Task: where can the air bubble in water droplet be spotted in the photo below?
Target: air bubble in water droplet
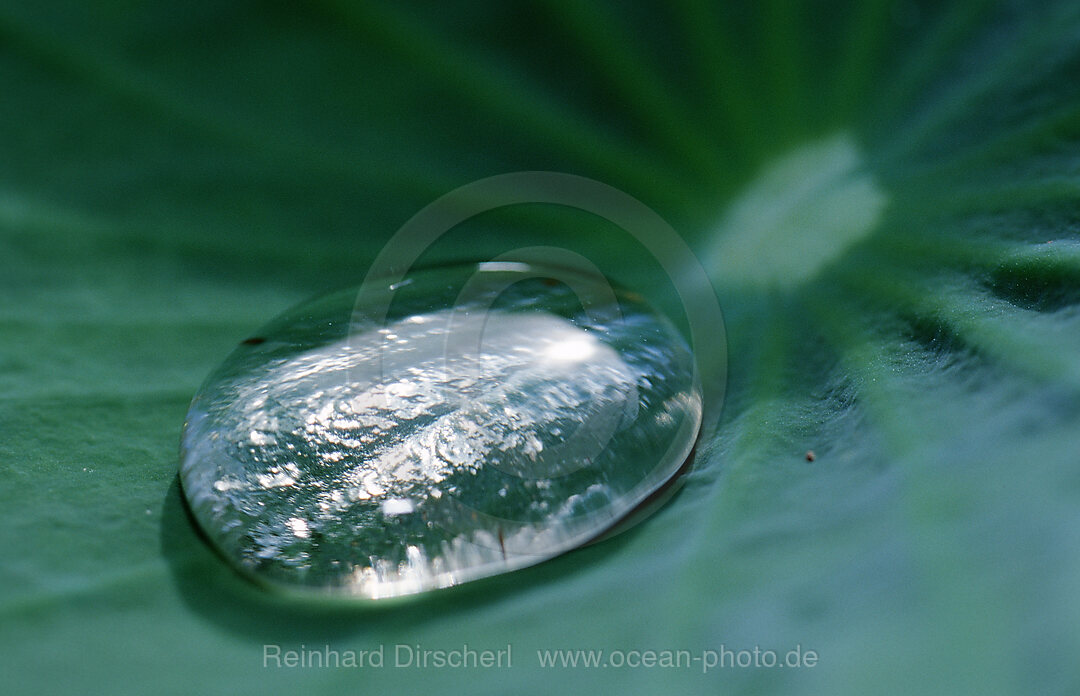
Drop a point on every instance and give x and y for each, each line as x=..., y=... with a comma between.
x=467, y=422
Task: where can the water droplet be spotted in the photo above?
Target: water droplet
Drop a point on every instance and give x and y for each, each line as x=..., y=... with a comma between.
x=467, y=422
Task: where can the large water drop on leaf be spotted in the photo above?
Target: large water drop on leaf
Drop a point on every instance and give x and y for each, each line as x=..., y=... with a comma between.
x=465, y=422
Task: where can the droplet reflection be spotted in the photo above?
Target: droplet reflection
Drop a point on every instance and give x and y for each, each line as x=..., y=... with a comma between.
x=463, y=435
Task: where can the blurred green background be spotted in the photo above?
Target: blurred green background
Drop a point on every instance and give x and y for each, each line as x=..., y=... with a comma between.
x=173, y=175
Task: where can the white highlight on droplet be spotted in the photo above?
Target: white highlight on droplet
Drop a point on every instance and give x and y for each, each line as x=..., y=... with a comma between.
x=299, y=528
x=397, y=506
x=571, y=350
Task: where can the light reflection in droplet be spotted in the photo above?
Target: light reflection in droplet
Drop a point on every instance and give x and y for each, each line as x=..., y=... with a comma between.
x=443, y=444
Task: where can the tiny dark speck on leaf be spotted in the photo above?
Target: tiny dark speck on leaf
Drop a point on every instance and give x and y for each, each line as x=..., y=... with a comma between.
x=253, y=341
x=810, y=456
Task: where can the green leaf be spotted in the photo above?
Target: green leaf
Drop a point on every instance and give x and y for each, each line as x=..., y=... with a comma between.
x=885, y=195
